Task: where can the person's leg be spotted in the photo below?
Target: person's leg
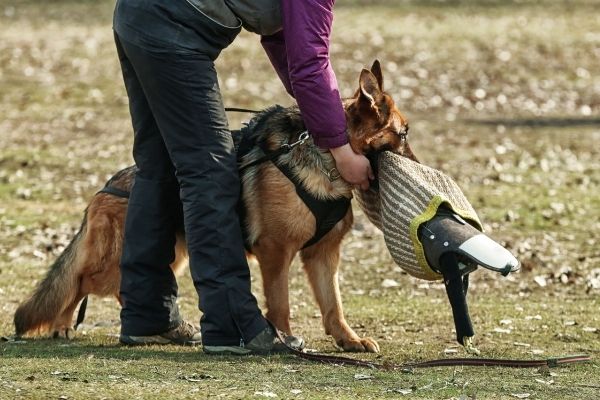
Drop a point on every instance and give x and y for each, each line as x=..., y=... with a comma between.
x=148, y=287
x=183, y=94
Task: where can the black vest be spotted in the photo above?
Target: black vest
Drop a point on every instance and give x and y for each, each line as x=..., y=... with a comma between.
x=258, y=16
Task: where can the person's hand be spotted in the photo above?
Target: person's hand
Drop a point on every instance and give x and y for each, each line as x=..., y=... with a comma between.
x=354, y=168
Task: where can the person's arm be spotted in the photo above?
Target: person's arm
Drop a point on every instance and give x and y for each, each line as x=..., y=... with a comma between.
x=274, y=46
x=300, y=55
x=302, y=47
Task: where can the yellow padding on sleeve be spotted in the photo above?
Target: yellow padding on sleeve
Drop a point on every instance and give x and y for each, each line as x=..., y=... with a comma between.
x=428, y=214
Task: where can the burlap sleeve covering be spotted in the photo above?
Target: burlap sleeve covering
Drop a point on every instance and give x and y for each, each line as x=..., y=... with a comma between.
x=409, y=194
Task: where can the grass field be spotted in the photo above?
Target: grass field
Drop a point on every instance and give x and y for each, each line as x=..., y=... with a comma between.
x=503, y=96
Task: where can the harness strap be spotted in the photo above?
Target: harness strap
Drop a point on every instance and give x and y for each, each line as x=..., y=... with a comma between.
x=114, y=191
x=327, y=213
x=269, y=156
x=242, y=110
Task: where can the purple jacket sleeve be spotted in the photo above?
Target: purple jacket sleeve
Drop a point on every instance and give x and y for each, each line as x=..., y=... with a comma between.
x=300, y=55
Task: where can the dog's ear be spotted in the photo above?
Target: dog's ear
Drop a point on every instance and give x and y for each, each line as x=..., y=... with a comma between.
x=369, y=90
x=376, y=70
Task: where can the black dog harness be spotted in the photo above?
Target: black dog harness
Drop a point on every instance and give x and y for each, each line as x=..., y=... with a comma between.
x=327, y=213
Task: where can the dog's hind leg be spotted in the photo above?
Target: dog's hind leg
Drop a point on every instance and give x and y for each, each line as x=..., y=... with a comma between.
x=39, y=313
x=274, y=266
x=63, y=325
x=321, y=265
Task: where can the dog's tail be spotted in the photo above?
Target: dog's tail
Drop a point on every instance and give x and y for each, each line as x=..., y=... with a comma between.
x=54, y=293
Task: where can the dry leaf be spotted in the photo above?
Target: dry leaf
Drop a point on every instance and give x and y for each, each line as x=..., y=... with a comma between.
x=530, y=317
x=540, y=280
x=401, y=391
x=197, y=377
x=265, y=394
x=389, y=283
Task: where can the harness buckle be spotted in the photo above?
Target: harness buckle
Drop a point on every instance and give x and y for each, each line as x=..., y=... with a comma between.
x=333, y=174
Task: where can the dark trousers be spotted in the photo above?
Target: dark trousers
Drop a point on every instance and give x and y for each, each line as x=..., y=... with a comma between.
x=184, y=153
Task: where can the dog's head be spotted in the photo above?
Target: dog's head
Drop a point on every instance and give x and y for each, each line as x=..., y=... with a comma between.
x=374, y=122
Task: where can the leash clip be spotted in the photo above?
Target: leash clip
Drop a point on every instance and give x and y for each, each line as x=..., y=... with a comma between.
x=301, y=139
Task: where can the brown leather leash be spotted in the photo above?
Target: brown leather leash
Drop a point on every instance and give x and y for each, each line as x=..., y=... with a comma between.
x=447, y=362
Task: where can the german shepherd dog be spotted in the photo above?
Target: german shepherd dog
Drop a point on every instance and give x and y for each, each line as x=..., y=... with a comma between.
x=276, y=220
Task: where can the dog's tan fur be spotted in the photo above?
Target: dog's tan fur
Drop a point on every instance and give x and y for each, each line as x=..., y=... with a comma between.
x=90, y=264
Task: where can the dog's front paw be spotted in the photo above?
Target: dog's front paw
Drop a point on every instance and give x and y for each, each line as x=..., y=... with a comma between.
x=358, y=345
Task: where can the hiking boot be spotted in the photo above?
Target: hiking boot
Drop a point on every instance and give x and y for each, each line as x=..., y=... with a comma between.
x=266, y=342
x=185, y=334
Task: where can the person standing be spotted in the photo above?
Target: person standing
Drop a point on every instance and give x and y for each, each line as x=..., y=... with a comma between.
x=186, y=163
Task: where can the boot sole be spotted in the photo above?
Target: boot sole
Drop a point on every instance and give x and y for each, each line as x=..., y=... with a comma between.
x=153, y=340
x=227, y=350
